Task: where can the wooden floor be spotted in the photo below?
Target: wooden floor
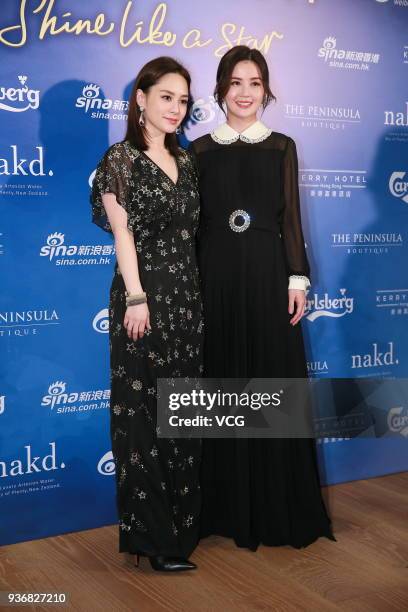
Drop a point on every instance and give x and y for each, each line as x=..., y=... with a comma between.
x=365, y=570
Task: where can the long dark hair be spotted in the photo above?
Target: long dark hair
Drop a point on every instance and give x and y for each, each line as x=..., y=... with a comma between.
x=148, y=76
x=226, y=67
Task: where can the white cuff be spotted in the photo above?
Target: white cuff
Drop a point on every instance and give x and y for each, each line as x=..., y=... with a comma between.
x=299, y=282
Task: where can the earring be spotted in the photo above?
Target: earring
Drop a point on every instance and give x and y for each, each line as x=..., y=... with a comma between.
x=141, y=118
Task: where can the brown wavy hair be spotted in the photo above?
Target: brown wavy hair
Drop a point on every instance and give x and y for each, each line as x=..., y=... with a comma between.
x=148, y=76
x=226, y=67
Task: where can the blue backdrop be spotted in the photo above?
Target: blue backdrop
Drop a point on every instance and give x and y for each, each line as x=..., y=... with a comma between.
x=339, y=71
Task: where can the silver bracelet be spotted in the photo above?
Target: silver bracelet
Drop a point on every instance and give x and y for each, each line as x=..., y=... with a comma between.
x=135, y=298
x=135, y=301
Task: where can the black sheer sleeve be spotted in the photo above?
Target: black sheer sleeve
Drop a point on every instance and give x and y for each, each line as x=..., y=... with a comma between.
x=193, y=155
x=113, y=175
x=291, y=228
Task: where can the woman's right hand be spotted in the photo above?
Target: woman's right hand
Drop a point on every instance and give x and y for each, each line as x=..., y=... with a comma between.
x=137, y=320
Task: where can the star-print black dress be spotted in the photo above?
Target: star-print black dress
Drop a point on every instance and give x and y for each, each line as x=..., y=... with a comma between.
x=158, y=492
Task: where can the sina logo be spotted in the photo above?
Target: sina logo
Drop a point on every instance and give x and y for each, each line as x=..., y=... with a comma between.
x=65, y=402
x=398, y=186
x=56, y=395
x=101, y=321
x=328, y=49
x=325, y=306
x=375, y=359
x=2, y=403
x=202, y=111
x=31, y=464
x=397, y=118
x=397, y=421
x=106, y=465
x=90, y=99
x=55, y=246
x=19, y=166
x=19, y=99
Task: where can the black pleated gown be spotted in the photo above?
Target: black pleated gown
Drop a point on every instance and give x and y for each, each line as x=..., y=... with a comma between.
x=256, y=491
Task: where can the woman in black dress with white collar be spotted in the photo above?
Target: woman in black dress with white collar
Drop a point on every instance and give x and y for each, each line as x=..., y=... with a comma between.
x=254, y=274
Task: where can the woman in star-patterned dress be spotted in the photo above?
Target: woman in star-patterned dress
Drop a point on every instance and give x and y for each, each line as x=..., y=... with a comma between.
x=145, y=192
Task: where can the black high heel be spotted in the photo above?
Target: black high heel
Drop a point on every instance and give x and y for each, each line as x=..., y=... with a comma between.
x=161, y=563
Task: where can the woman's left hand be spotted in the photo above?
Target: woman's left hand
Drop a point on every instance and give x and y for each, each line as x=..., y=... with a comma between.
x=297, y=297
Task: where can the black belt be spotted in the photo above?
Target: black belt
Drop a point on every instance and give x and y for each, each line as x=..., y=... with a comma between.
x=230, y=223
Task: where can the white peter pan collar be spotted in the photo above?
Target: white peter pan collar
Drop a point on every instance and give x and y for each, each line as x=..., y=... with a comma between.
x=225, y=134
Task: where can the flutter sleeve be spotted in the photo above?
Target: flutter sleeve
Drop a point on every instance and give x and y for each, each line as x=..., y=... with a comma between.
x=113, y=175
x=291, y=227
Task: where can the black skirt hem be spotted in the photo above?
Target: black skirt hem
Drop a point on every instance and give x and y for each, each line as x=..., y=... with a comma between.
x=253, y=545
